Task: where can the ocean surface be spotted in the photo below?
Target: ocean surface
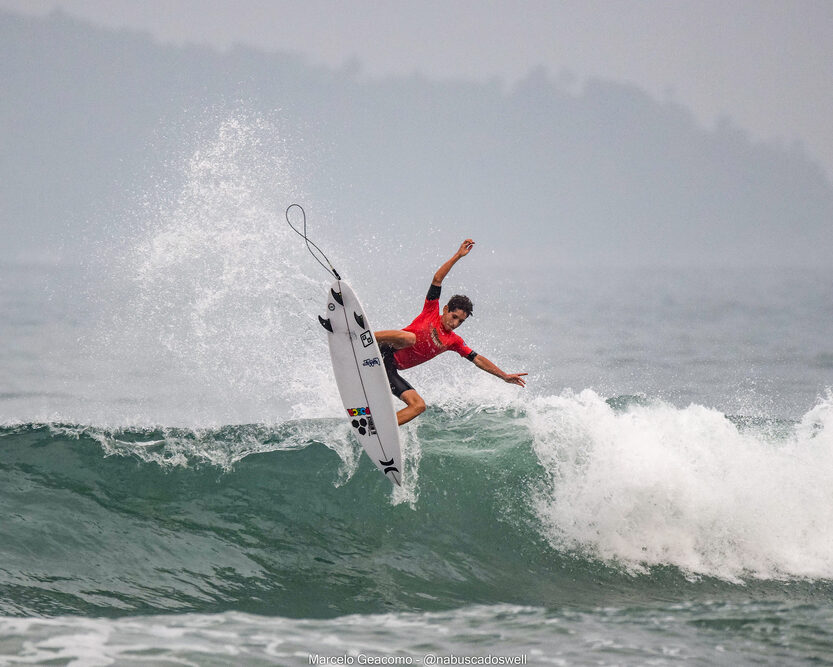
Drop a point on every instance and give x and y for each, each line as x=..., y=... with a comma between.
x=179, y=487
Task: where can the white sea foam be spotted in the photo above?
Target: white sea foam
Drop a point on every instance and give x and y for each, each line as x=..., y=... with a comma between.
x=237, y=638
x=659, y=485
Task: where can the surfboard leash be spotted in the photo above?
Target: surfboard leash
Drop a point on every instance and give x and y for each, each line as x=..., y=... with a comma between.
x=303, y=234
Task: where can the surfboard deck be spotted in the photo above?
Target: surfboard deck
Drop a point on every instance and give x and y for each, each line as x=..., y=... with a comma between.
x=362, y=381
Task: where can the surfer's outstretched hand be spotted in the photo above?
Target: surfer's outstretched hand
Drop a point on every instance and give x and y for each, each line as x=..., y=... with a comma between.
x=465, y=248
x=516, y=378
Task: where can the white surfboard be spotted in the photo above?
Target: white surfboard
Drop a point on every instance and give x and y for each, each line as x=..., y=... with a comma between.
x=362, y=380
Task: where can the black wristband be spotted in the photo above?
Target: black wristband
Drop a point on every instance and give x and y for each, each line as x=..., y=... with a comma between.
x=471, y=355
x=433, y=293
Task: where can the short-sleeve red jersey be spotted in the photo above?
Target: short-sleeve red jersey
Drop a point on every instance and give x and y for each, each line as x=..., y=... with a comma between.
x=431, y=338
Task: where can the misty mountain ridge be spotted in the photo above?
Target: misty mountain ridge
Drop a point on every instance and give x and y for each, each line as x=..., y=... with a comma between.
x=606, y=175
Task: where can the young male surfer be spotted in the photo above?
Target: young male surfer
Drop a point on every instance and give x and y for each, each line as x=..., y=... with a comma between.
x=430, y=334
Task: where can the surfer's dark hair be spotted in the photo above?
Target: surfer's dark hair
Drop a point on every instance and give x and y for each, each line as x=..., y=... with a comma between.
x=460, y=302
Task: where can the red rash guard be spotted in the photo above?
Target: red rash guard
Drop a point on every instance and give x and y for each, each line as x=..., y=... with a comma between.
x=431, y=338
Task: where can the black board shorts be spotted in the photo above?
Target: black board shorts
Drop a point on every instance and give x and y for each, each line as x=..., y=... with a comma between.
x=398, y=384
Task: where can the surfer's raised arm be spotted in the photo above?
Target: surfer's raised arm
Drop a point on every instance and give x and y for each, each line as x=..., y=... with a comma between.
x=432, y=333
x=442, y=272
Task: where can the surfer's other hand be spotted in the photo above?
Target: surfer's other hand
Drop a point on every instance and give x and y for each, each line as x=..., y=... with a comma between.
x=465, y=247
x=516, y=378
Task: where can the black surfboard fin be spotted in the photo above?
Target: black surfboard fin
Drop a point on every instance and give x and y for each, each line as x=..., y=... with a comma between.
x=359, y=319
x=337, y=297
x=326, y=324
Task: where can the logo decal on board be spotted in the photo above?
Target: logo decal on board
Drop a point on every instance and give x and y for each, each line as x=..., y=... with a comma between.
x=371, y=362
x=331, y=306
x=388, y=466
x=363, y=422
x=367, y=338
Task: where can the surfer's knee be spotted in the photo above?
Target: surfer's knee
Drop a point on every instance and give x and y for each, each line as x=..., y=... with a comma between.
x=408, y=339
x=401, y=339
x=395, y=338
x=414, y=401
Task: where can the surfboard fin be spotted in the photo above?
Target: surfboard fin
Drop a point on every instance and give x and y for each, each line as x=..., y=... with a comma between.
x=326, y=324
x=337, y=297
x=359, y=319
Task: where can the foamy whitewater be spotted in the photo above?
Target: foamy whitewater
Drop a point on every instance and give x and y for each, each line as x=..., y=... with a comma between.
x=179, y=485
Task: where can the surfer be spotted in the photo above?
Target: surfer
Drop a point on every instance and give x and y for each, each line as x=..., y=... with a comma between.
x=430, y=334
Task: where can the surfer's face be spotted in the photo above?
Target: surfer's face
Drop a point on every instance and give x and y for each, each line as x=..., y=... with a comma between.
x=453, y=318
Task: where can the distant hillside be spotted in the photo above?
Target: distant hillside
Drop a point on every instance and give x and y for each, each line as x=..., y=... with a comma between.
x=607, y=175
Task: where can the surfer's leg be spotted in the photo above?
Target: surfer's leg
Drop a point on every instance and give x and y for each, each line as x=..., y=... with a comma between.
x=395, y=338
x=415, y=407
x=401, y=388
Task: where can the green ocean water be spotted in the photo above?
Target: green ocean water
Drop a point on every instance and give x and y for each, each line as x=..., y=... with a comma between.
x=114, y=533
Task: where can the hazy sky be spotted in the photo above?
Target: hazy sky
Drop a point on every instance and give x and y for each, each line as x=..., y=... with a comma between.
x=767, y=64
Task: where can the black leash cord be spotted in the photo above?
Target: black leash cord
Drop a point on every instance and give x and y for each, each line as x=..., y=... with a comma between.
x=328, y=267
